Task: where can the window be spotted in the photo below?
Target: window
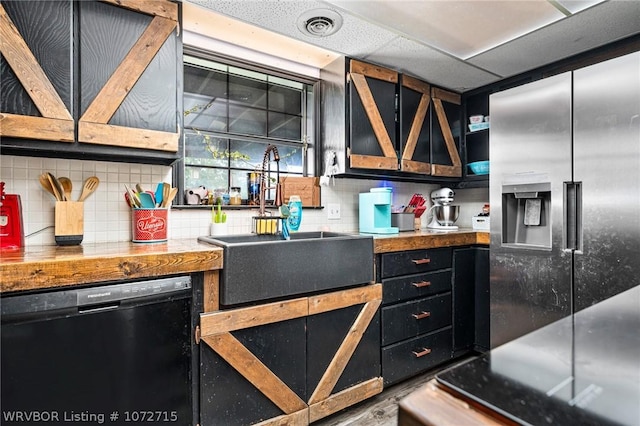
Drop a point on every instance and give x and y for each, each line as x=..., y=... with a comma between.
x=232, y=112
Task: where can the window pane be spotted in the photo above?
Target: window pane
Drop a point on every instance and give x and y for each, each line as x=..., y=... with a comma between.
x=247, y=92
x=247, y=121
x=285, y=126
x=284, y=99
x=250, y=154
x=207, y=177
x=290, y=159
x=204, y=114
x=201, y=148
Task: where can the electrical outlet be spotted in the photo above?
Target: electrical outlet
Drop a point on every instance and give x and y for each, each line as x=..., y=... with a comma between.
x=333, y=211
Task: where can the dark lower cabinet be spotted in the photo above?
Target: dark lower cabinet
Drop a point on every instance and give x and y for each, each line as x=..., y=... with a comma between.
x=435, y=307
x=410, y=357
x=226, y=397
x=470, y=299
x=285, y=359
x=416, y=311
x=325, y=334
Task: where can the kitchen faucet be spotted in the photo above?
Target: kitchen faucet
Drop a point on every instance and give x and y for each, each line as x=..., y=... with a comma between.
x=263, y=179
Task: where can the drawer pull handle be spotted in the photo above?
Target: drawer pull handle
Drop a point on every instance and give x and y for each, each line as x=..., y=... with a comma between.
x=421, y=284
x=421, y=261
x=423, y=352
x=421, y=315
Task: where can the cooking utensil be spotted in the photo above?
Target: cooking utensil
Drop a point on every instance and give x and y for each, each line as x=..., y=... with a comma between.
x=58, y=192
x=158, y=195
x=67, y=187
x=132, y=198
x=46, y=184
x=166, y=200
x=146, y=200
x=90, y=185
x=166, y=191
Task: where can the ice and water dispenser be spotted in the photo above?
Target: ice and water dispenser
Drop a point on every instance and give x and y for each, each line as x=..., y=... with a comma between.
x=526, y=215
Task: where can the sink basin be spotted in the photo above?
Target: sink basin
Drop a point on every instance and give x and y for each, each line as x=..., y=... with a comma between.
x=263, y=267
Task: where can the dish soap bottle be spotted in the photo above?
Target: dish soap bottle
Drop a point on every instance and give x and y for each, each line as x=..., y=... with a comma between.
x=295, y=212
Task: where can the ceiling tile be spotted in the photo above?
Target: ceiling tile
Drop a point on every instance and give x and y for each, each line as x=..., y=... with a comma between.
x=432, y=65
x=460, y=28
x=583, y=31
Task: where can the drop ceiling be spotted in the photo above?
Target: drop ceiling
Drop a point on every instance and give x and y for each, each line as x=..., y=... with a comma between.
x=459, y=45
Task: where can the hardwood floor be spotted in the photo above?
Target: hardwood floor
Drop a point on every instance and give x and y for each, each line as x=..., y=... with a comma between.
x=382, y=409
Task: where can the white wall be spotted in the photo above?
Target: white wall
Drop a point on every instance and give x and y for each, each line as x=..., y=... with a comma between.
x=107, y=218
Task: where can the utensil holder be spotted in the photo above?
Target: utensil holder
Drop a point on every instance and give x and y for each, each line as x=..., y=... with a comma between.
x=69, y=222
x=149, y=225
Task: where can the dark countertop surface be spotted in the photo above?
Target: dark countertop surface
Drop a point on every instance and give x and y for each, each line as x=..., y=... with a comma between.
x=583, y=369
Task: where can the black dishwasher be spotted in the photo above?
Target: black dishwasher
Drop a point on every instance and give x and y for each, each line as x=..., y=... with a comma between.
x=119, y=354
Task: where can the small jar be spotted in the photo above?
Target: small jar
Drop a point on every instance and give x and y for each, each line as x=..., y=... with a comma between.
x=235, y=199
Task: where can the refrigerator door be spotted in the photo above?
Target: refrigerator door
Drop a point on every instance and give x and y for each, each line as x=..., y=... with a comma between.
x=530, y=153
x=607, y=162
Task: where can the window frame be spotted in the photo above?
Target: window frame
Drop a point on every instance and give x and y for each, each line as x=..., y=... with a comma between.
x=311, y=158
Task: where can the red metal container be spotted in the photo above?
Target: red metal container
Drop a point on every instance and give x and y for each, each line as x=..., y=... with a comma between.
x=149, y=225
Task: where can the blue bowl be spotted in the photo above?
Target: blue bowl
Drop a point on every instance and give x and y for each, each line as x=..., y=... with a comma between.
x=479, y=167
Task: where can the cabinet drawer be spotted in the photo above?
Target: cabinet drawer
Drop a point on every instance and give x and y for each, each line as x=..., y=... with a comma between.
x=414, y=261
x=414, y=286
x=405, y=359
x=410, y=319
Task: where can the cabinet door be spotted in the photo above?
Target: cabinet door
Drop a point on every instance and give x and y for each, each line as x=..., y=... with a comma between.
x=228, y=393
x=36, y=64
x=372, y=117
x=415, y=99
x=464, y=268
x=445, y=134
x=128, y=74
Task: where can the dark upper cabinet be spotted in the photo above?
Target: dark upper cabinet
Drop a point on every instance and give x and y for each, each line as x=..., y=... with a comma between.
x=36, y=70
x=372, y=117
x=92, y=79
x=379, y=123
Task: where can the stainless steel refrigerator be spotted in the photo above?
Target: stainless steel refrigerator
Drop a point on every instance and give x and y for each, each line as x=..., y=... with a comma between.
x=564, y=194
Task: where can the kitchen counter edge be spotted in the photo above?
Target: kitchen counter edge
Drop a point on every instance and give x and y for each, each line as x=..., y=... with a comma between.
x=425, y=239
x=42, y=267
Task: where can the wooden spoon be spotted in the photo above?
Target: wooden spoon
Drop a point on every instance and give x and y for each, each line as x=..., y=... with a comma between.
x=46, y=184
x=55, y=186
x=89, y=187
x=67, y=186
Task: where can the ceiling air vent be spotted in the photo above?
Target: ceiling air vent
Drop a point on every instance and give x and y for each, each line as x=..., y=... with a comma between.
x=319, y=22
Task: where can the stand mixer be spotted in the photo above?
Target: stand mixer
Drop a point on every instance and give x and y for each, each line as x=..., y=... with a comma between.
x=443, y=213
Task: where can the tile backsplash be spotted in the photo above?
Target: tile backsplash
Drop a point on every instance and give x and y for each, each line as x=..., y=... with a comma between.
x=107, y=218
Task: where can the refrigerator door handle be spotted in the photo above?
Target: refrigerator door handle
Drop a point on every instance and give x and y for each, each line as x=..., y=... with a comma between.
x=573, y=216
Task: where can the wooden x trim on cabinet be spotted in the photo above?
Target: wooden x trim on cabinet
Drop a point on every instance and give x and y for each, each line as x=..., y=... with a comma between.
x=56, y=118
x=389, y=160
x=454, y=170
x=408, y=165
x=216, y=328
x=93, y=126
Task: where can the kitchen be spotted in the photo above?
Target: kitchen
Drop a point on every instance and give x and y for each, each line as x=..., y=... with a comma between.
x=109, y=226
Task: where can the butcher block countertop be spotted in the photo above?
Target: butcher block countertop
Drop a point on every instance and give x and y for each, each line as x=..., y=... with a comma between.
x=43, y=267
x=425, y=239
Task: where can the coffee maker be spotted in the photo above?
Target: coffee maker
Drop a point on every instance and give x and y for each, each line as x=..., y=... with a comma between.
x=443, y=213
x=375, y=212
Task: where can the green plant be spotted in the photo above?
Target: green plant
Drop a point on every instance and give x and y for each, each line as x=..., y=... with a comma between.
x=217, y=215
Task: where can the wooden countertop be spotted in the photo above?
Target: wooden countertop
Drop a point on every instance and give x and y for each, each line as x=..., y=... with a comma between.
x=413, y=240
x=44, y=267
x=55, y=266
